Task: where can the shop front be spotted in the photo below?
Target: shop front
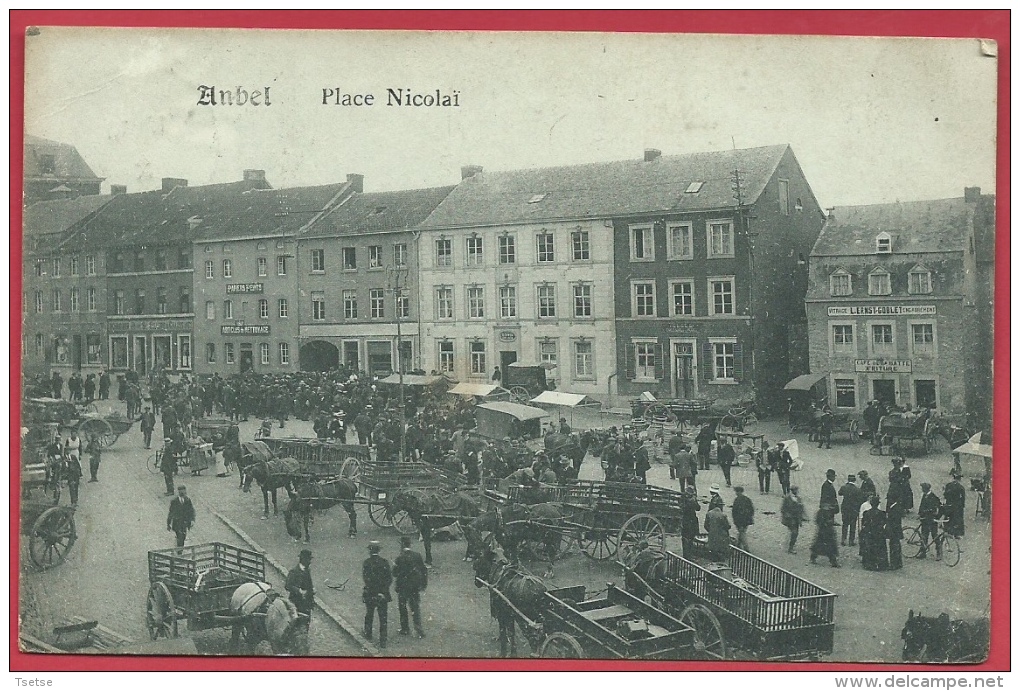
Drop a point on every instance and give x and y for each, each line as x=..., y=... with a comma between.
x=148, y=344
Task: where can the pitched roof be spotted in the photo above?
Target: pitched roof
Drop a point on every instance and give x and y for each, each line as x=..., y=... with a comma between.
x=937, y=225
x=262, y=212
x=378, y=212
x=601, y=190
x=47, y=159
x=60, y=215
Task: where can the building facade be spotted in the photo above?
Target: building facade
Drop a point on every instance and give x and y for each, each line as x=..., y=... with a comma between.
x=54, y=170
x=893, y=306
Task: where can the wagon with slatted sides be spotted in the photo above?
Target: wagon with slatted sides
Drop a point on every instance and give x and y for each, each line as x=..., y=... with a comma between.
x=378, y=481
x=319, y=459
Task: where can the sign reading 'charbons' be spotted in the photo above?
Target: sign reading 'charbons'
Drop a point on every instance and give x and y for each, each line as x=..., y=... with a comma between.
x=245, y=330
x=881, y=310
x=244, y=288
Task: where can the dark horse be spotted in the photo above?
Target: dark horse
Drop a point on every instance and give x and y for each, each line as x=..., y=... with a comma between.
x=429, y=509
x=526, y=592
x=516, y=528
x=271, y=476
x=939, y=639
x=319, y=496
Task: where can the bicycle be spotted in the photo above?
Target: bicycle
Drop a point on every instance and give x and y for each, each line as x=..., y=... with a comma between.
x=154, y=461
x=950, y=548
x=742, y=418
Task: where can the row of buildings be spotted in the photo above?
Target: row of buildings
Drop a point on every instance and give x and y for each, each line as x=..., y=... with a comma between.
x=681, y=275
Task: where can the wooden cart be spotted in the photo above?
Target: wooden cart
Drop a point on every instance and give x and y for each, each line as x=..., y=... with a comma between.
x=50, y=530
x=322, y=460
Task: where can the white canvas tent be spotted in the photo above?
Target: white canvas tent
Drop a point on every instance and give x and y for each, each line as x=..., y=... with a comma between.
x=490, y=391
x=566, y=400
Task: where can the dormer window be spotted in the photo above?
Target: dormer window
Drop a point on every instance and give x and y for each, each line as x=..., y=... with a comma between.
x=841, y=283
x=879, y=283
x=694, y=188
x=920, y=281
x=883, y=243
x=536, y=198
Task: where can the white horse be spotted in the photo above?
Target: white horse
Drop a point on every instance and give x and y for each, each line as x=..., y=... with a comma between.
x=265, y=615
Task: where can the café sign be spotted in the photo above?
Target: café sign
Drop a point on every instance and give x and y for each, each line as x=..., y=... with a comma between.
x=234, y=288
x=882, y=311
x=158, y=325
x=882, y=366
x=507, y=336
x=244, y=329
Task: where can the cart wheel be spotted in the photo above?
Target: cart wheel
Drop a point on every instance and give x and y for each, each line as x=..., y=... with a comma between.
x=561, y=645
x=53, y=536
x=351, y=469
x=379, y=516
x=730, y=423
x=520, y=395
x=401, y=520
x=94, y=428
x=643, y=526
x=599, y=544
x=160, y=612
x=854, y=428
x=950, y=550
x=709, y=643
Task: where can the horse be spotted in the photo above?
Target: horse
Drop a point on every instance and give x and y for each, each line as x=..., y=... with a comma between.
x=526, y=592
x=429, y=509
x=522, y=524
x=644, y=567
x=265, y=615
x=939, y=639
x=310, y=496
x=279, y=473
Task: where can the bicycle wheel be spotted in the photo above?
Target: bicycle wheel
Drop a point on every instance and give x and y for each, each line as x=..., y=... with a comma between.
x=750, y=422
x=950, y=550
x=915, y=545
x=153, y=461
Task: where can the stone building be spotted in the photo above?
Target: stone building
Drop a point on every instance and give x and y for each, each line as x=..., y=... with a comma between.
x=54, y=170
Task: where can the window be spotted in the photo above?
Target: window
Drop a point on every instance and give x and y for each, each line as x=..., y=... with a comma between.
x=476, y=303
x=210, y=353
x=284, y=353
x=920, y=281
x=161, y=264
x=318, y=307
x=879, y=283
x=184, y=351
x=400, y=254
x=118, y=302
x=444, y=303
x=882, y=342
x=262, y=266
x=228, y=353
x=546, y=247
x=350, y=298
x=210, y=310
x=75, y=300
x=349, y=256
x=40, y=268
x=57, y=305
x=643, y=299
x=264, y=353
x=679, y=241
x=642, y=243
x=139, y=301
x=644, y=360
x=56, y=267
x=843, y=339
x=584, y=360
x=477, y=351
x=444, y=252
x=118, y=263
x=580, y=242
x=118, y=352
x=720, y=239
x=549, y=353
x=228, y=309
x=507, y=302
x=92, y=349
x=475, y=253
x=40, y=348
x=74, y=266
x=721, y=290
x=403, y=305
x=883, y=243
x=263, y=309
x=846, y=393
x=582, y=300
x=377, y=303
x=139, y=261
x=683, y=298
x=184, y=258
x=90, y=299
x=784, y=197
x=507, y=249
x=546, y=301
x=283, y=310
x=724, y=360
x=374, y=257
x=318, y=261
x=922, y=338
x=39, y=301
x=281, y=266
x=185, y=300
x=841, y=284
x=444, y=349
x=209, y=271
x=227, y=269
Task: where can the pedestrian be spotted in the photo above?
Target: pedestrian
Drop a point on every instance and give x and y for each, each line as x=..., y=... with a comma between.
x=411, y=577
x=727, y=457
x=714, y=498
x=90, y=388
x=72, y=472
x=642, y=464
x=718, y=528
x=181, y=516
x=955, y=498
x=684, y=466
x=874, y=556
x=928, y=511
x=104, y=385
x=850, y=509
x=868, y=489
x=564, y=427
x=894, y=512
x=872, y=416
x=57, y=385
x=301, y=590
x=95, y=453
x=784, y=464
x=377, y=577
x=743, y=516
x=763, y=463
x=824, y=543
x=704, y=441
x=148, y=424
x=168, y=465
x=689, y=529
x=823, y=433
x=676, y=444
x=827, y=501
x=792, y=512
x=902, y=475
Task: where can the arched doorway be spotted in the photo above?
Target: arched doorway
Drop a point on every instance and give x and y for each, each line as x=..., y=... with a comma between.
x=319, y=356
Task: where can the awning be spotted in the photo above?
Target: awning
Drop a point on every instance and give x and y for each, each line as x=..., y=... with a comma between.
x=412, y=379
x=543, y=365
x=562, y=398
x=804, y=382
x=647, y=397
x=521, y=412
x=975, y=447
x=466, y=388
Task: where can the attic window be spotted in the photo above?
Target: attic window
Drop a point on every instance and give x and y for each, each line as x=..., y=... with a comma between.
x=536, y=198
x=694, y=188
x=919, y=282
x=879, y=282
x=193, y=222
x=261, y=246
x=883, y=243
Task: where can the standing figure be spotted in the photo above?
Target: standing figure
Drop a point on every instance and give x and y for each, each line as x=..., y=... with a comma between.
x=792, y=516
x=850, y=509
x=72, y=473
x=718, y=528
x=104, y=385
x=57, y=385
x=95, y=453
x=763, y=463
x=181, y=517
x=825, y=538
x=676, y=444
x=874, y=556
x=411, y=578
x=377, y=577
x=902, y=472
x=784, y=463
x=300, y=590
x=90, y=388
x=872, y=416
x=727, y=457
x=704, y=441
x=868, y=489
x=928, y=511
x=743, y=516
x=827, y=501
x=148, y=424
x=168, y=465
x=689, y=528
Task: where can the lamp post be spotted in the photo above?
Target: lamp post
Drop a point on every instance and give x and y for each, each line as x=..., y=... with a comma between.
x=396, y=274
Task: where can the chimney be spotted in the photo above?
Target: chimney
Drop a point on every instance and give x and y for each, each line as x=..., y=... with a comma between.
x=170, y=183
x=652, y=154
x=253, y=175
x=469, y=171
x=972, y=194
x=356, y=181
x=118, y=189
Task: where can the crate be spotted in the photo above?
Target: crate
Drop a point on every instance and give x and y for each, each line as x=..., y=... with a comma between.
x=180, y=567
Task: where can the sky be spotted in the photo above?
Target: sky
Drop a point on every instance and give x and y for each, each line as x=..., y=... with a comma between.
x=870, y=120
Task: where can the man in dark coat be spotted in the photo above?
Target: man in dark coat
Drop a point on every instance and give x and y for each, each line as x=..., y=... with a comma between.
x=868, y=489
x=411, y=577
x=181, y=516
x=955, y=498
x=784, y=463
x=825, y=538
x=792, y=515
x=57, y=384
x=727, y=457
x=689, y=527
x=168, y=465
x=874, y=554
x=704, y=442
x=928, y=511
x=718, y=528
x=300, y=589
x=104, y=385
x=377, y=576
x=872, y=416
x=895, y=508
x=675, y=446
x=148, y=424
x=743, y=516
x=827, y=501
x=850, y=509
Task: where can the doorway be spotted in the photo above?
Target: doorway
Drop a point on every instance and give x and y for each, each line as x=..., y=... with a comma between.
x=884, y=391
x=506, y=358
x=319, y=356
x=161, y=352
x=351, y=356
x=247, y=359
x=684, y=381
x=141, y=356
x=924, y=393
x=76, y=352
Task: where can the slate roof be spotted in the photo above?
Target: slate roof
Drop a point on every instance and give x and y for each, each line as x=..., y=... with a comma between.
x=937, y=225
x=602, y=190
x=58, y=216
x=68, y=163
x=262, y=212
x=377, y=212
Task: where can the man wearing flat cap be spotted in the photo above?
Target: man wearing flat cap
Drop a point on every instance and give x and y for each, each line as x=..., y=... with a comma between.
x=928, y=511
x=850, y=509
x=377, y=576
x=299, y=587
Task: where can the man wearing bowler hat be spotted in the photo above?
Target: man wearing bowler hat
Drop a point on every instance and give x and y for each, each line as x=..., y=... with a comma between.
x=377, y=575
x=300, y=589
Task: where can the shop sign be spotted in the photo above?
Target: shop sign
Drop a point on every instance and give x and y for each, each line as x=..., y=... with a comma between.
x=881, y=366
x=234, y=288
x=158, y=325
x=507, y=336
x=244, y=330
x=882, y=311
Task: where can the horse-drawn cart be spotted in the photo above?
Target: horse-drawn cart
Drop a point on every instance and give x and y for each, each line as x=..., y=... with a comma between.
x=896, y=428
x=88, y=424
x=50, y=531
x=319, y=459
